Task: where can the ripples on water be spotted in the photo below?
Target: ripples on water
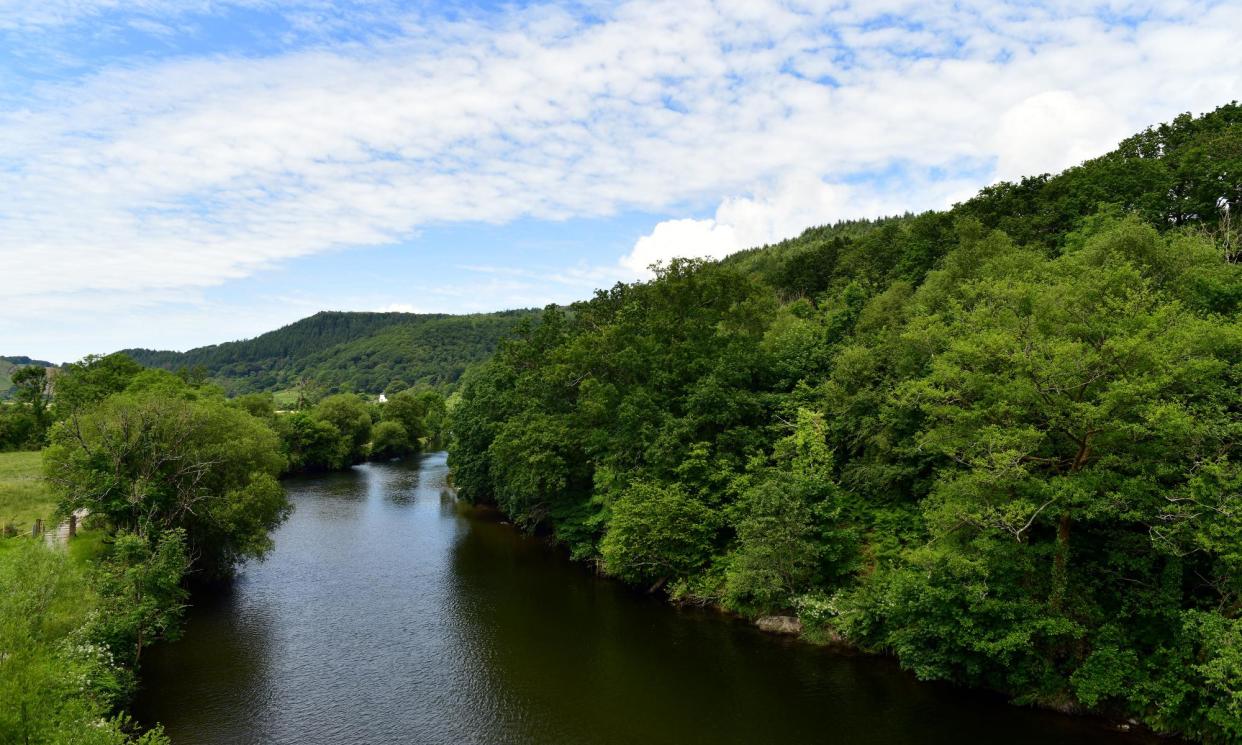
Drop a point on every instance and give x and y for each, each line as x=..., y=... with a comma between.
x=388, y=615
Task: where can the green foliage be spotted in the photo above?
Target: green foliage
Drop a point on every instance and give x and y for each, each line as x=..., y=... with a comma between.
x=999, y=441
x=351, y=418
x=311, y=444
x=18, y=428
x=390, y=440
x=24, y=419
x=148, y=462
x=176, y=481
x=435, y=416
x=258, y=405
x=343, y=429
x=657, y=533
x=91, y=380
x=141, y=596
x=791, y=534
x=409, y=409
x=24, y=497
x=341, y=352
x=58, y=684
x=776, y=556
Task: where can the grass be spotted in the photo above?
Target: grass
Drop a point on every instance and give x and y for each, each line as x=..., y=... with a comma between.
x=88, y=545
x=286, y=399
x=23, y=494
x=24, y=497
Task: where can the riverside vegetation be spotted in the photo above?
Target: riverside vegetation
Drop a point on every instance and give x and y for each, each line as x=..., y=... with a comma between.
x=180, y=487
x=997, y=442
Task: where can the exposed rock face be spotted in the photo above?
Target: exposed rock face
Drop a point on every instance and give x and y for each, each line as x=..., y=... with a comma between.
x=780, y=624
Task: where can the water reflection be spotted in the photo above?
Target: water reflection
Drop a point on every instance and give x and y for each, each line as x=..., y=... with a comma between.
x=387, y=615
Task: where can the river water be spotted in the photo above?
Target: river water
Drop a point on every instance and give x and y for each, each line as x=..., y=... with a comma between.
x=386, y=614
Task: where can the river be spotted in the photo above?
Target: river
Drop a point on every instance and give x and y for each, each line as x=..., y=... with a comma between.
x=387, y=614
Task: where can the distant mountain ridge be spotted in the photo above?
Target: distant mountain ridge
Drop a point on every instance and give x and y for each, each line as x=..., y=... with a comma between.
x=340, y=350
x=22, y=360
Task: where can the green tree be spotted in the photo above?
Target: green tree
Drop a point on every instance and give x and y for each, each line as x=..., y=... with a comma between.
x=149, y=463
x=1024, y=476
x=790, y=532
x=258, y=405
x=33, y=391
x=776, y=556
x=311, y=444
x=348, y=413
x=657, y=533
x=410, y=411
x=1065, y=386
x=389, y=440
x=141, y=593
x=91, y=380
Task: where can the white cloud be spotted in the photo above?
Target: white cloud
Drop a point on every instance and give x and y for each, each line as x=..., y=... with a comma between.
x=1054, y=130
x=743, y=222
x=155, y=177
x=774, y=214
x=686, y=238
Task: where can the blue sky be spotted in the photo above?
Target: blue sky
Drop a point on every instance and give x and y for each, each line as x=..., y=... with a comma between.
x=185, y=172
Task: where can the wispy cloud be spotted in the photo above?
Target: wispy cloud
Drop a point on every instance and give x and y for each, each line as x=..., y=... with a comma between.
x=150, y=176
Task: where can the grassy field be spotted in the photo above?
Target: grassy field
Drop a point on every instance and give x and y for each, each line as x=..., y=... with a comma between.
x=23, y=495
x=286, y=399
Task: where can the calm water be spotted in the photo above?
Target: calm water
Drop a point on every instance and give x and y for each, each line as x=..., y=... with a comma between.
x=385, y=615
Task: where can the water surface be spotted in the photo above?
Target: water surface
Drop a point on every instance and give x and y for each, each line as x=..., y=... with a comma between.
x=387, y=615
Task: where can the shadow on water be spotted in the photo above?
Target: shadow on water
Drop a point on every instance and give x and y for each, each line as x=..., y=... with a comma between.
x=388, y=615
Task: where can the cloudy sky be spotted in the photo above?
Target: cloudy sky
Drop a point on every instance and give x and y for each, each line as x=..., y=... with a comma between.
x=183, y=172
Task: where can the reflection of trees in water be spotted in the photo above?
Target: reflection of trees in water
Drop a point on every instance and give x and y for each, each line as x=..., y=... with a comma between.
x=566, y=657
x=338, y=485
x=574, y=658
x=453, y=627
x=222, y=665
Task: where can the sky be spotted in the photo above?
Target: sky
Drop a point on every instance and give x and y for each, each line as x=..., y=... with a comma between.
x=185, y=172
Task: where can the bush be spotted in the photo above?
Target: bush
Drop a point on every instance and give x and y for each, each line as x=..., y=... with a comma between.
x=389, y=440
x=657, y=533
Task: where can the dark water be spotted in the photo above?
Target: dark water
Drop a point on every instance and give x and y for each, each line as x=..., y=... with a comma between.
x=387, y=616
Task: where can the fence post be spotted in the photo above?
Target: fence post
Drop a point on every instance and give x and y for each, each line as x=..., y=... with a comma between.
x=38, y=528
x=73, y=525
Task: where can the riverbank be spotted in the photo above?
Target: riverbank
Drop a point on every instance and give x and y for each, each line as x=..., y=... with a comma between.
x=827, y=638
x=57, y=683
x=814, y=641
x=387, y=614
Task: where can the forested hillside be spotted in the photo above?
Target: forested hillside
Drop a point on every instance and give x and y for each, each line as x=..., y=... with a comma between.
x=335, y=351
x=998, y=442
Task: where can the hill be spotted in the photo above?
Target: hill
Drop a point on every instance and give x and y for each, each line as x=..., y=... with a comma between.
x=363, y=352
x=999, y=442
x=8, y=365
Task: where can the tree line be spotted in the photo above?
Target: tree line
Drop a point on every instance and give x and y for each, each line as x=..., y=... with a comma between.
x=997, y=442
